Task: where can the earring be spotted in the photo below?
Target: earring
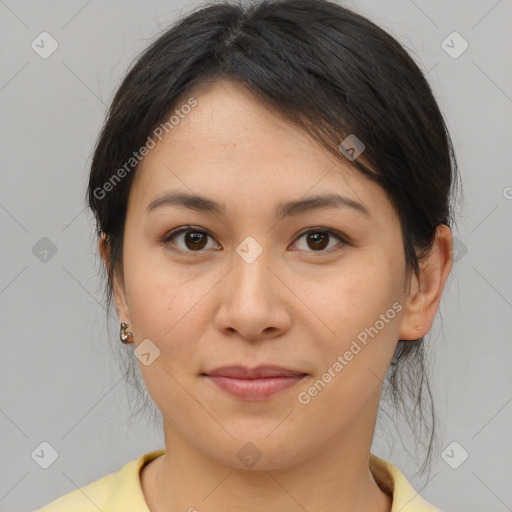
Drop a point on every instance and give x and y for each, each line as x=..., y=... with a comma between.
x=418, y=327
x=126, y=337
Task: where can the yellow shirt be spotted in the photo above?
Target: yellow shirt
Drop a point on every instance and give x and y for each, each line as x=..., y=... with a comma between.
x=121, y=491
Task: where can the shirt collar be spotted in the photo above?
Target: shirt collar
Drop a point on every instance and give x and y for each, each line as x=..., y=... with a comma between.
x=125, y=494
x=393, y=481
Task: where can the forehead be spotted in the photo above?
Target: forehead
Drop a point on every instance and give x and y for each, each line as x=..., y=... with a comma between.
x=231, y=122
x=232, y=147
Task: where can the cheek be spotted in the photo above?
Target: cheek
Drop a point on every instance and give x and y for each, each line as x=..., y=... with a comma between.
x=359, y=311
x=160, y=300
x=352, y=299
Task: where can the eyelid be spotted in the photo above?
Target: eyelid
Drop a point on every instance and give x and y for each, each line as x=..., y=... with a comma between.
x=322, y=229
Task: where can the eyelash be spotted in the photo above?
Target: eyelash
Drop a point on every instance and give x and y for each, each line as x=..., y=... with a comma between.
x=173, y=234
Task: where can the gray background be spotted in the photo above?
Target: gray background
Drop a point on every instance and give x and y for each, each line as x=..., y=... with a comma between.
x=59, y=379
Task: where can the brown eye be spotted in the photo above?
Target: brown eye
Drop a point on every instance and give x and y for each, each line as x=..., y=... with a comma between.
x=191, y=240
x=194, y=240
x=188, y=240
x=318, y=239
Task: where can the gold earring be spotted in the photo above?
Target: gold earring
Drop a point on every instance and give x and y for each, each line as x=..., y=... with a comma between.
x=126, y=337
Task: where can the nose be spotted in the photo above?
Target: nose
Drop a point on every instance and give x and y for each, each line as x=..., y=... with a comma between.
x=254, y=302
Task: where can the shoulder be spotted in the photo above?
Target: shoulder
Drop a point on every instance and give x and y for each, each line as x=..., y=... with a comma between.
x=116, y=492
x=87, y=498
x=392, y=480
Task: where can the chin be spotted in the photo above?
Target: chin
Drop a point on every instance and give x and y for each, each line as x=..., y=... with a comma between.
x=261, y=453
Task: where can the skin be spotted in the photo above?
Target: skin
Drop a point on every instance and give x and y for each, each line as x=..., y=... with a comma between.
x=295, y=306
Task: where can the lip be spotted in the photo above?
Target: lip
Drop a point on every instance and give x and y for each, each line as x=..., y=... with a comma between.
x=257, y=383
x=262, y=371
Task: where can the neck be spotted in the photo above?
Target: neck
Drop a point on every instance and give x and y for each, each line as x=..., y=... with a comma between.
x=337, y=478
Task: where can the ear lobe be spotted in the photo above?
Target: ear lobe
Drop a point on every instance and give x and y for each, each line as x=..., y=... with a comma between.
x=118, y=287
x=425, y=293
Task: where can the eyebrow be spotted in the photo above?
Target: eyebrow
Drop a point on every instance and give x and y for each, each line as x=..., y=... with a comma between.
x=284, y=209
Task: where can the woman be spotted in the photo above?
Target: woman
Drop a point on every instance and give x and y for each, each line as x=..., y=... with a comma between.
x=273, y=195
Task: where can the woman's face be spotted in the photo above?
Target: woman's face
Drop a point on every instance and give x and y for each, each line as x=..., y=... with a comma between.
x=248, y=286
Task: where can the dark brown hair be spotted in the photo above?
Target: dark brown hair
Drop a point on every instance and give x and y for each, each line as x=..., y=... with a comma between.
x=332, y=73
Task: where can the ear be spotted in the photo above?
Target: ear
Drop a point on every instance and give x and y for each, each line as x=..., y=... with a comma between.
x=118, y=286
x=425, y=293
